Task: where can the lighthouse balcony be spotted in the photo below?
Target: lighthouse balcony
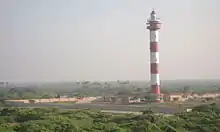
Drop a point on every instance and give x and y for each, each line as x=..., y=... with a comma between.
x=154, y=26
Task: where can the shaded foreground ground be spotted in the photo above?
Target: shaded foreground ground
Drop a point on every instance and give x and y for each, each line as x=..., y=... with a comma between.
x=166, y=108
x=134, y=108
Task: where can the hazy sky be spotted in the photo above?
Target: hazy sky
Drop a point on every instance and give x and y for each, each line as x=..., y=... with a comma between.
x=51, y=40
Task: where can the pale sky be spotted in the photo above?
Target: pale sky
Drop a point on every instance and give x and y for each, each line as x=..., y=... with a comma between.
x=64, y=40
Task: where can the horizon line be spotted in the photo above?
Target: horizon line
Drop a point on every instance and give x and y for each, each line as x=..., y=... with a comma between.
x=66, y=81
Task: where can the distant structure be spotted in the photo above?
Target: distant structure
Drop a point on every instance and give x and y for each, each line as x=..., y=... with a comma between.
x=154, y=24
x=4, y=84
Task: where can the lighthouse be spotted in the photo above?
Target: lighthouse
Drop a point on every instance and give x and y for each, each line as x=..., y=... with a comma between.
x=153, y=25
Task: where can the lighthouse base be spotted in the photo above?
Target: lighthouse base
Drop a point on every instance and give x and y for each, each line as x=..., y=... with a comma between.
x=156, y=98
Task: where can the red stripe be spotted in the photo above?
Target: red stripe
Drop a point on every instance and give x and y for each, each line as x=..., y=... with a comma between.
x=154, y=68
x=155, y=89
x=153, y=46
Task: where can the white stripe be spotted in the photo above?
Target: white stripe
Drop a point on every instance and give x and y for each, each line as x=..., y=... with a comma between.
x=154, y=36
x=155, y=79
x=154, y=57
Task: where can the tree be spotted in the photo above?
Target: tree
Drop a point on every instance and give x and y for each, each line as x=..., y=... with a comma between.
x=66, y=127
x=26, y=115
x=201, y=118
x=6, y=128
x=148, y=111
x=31, y=126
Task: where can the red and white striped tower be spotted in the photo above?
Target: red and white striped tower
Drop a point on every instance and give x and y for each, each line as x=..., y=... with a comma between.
x=154, y=25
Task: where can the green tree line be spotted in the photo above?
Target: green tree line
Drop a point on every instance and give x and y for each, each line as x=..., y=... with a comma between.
x=204, y=118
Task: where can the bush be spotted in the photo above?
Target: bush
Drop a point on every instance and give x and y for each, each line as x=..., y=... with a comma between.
x=201, y=118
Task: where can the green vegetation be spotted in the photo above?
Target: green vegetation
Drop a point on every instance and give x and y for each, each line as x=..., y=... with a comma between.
x=74, y=89
x=204, y=118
